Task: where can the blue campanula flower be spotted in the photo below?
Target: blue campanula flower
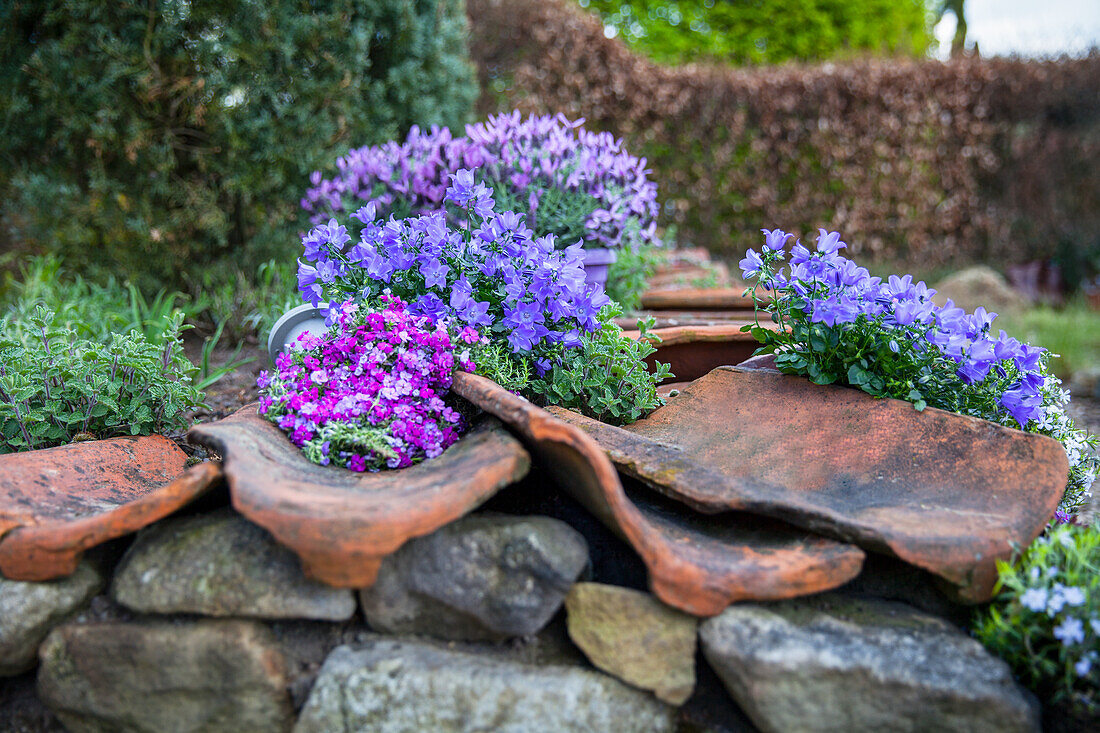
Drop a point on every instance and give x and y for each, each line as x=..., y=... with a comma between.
x=461, y=191
x=800, y=254
x=1022, y=403
x=775, y=239
x=1034, y=599
x=908, y=312
x=307, y=283
x=829, y=243
x=751, y=264
x=434, y=272
x=1071, y=631
x=834, y=310
x=524, y=324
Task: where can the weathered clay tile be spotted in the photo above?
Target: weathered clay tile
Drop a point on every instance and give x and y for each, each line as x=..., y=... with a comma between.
x=692, y=351
x=58, y=502
x=697, y=564
x=671, y=318
x=947, y=493
x=697, y=299
x=341, y=523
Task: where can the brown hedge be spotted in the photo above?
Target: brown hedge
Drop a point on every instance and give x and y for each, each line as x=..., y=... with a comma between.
x=925, y=162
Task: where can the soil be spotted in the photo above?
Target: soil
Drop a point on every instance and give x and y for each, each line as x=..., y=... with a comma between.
x=237, y=388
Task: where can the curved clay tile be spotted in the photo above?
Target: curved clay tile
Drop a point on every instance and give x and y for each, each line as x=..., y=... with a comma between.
x=692, y=351
x=947, y=493
x=697, y=299
x=695, y=564
x=56, y=503
x=341, y=523
x=672, y=318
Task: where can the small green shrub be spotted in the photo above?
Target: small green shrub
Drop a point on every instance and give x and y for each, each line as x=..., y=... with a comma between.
x=606, y=378
x=629, y=273
x=55, y=385
x=153, y=138
x=1045, y=620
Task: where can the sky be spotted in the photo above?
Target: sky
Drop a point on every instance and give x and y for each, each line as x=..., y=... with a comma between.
x=1026, y=27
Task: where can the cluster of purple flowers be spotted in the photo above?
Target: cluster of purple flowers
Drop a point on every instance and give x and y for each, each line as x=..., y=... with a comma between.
x=490, y=272
x=825, y=288
x=371, y=393
x=525, y=157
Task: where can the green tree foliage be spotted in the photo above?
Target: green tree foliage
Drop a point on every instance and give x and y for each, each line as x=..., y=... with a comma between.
x=767, y=31
x=153, y=137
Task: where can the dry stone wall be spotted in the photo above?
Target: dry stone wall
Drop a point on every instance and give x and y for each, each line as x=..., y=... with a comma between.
x=495, y=622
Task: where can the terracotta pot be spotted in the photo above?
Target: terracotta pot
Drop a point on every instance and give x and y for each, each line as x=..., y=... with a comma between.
x=672, y=318
x=58, y=502
x=597, y=262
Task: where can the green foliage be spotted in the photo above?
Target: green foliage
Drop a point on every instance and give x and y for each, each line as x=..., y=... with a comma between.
x=91, y=309
x=56, y=385
x=99, y=311
x=629, y=273
x=606, y=378
x=335, y=436
x=245, y=304
x=561, y=212
x=496, y=361
x=767, y=31
x=1045, y=620
x=151, y=138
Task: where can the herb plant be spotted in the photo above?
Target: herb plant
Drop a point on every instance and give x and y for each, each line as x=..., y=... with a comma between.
x=1045, y=620
x=55, y=385
x=606, y=378
x=629, y=274
x=838, y=324
x=97, y=311
x=371, y=393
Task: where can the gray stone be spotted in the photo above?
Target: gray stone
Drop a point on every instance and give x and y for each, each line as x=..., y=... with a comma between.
x=634, y=637
x=29, y=610
x=834, y=663
x=392, y=686
x=164, y=677
x=483, y=577
x=221, y=564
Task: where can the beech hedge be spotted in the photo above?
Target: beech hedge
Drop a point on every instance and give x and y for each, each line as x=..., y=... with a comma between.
x=918, y=161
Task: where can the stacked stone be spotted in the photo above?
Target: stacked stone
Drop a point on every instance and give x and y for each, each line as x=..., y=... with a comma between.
x=208, y=624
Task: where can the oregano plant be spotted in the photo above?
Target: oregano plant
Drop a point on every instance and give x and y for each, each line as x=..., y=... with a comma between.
x=56, y=386
x=607, y=377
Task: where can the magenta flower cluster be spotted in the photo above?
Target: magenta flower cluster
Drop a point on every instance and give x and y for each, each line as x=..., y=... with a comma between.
x=371, y=393
x=524, y=157
x=940, y=355
x=489, y=272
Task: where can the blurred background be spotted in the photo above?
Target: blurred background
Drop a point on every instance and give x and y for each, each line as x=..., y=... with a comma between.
x=160, y=149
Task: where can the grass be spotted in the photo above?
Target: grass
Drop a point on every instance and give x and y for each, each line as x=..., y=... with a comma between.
x=1073, y=332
